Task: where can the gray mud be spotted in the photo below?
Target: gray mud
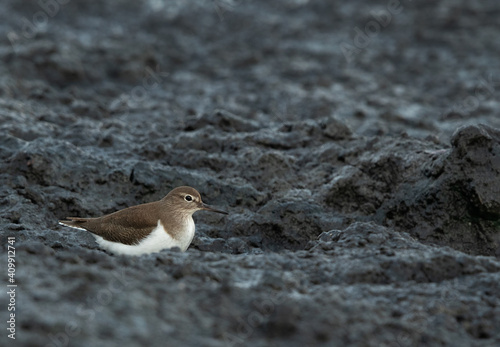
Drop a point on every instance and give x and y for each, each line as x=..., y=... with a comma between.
x=363, y=188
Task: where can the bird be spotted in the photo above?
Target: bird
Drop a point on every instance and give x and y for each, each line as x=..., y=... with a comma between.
x=147, y=228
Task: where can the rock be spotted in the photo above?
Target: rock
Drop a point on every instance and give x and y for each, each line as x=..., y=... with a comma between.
x=457, y=204
x=476, y=150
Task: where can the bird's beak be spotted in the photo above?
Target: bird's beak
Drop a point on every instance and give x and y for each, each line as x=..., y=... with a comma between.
x=210, y=208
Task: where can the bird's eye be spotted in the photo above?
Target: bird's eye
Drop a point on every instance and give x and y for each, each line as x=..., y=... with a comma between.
x=188, y=198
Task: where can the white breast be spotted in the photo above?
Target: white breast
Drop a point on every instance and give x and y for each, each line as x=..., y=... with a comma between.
x=187, y=234
x=156, y=241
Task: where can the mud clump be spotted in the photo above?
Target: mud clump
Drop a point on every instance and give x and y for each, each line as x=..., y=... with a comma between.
x=457, y=201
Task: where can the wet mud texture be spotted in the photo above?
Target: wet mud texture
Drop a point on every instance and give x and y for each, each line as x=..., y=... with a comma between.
x=364, y=193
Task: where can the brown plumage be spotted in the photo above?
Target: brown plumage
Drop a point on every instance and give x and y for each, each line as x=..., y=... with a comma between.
x=128, y=226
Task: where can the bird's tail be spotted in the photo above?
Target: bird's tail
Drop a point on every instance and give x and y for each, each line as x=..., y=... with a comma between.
x=74, y=222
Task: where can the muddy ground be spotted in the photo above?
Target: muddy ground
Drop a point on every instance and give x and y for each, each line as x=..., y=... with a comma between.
x=356, y=146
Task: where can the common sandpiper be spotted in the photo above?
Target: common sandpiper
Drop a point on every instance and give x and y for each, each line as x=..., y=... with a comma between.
x=147, y=228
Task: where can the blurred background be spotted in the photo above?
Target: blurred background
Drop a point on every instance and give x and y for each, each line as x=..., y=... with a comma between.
x=423, y=67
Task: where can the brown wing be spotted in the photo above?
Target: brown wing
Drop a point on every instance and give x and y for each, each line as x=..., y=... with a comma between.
x=127, y=226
